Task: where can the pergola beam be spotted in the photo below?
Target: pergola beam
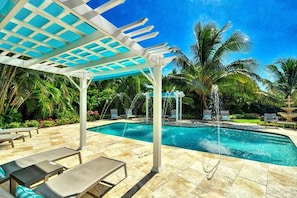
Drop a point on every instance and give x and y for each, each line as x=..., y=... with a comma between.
x=85, y=40
x=118, y=58
x=125, y=69
x=134, y=25
x=140, y=31
x=108, y=5
x=146, y=36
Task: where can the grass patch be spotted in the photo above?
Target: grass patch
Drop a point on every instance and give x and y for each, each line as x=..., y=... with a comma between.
x=254, y=121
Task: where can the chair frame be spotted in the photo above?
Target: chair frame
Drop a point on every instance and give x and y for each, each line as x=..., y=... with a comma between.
x=10, y=138
x=270, y=118
x=73, y=184
x=20, y=130
x=129, y=114
x=224, y=114
x=207, y=112
x=114, y=115
x=51, y=155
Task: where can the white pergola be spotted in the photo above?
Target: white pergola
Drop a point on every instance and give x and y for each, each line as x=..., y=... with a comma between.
x=72, y=38
x=177, y=95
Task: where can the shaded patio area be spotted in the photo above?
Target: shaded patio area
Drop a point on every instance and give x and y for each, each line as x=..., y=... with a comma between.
x=183, y=171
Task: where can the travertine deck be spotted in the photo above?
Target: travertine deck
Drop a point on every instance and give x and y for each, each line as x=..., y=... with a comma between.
x=183, y=171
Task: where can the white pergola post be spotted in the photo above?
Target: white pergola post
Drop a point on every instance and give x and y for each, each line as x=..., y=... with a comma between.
x=83, y=86
x=181, y=107
x=157, y=119
x=176, y=107
x=147, y=97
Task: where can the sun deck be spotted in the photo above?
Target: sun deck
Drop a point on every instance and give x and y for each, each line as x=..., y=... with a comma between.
x=183, y=171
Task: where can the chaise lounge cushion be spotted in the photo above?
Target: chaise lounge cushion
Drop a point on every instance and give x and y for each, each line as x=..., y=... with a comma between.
x=207, y=117
x=2, y=173
x=224, y=117
x=80, y=179
x=24, y=192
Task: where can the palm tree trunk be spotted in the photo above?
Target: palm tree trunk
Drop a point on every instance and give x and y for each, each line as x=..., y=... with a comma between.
x=7, y=75
x=204, y=102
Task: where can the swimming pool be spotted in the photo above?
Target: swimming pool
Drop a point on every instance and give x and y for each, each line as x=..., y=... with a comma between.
x=263, y=147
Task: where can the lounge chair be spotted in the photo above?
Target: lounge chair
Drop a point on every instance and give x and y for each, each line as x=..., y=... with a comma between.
x=51, y=155
x=10, y=138
x=270, y=118
x=114, y=114
x=79, y=180
x=19, y=130
x=225, y=116
x=173, y=114
x=5, y=194
x=129, y=114
x=207, y=115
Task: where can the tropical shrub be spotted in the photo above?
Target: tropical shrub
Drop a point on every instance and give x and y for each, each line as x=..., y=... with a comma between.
x=61, y=121
x=74, y=119
x=92, y=115
x=1, y=122
x=14, y=125
x=245, y=116
x=31, y=123
x=67, y=117
x=48, y=123
x=188, y=116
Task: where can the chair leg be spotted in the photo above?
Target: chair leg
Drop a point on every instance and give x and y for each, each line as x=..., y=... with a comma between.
x=11, y=142
x=79, y=157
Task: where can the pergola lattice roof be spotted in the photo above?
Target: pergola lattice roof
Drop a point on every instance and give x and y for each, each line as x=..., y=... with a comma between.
x=70, y=37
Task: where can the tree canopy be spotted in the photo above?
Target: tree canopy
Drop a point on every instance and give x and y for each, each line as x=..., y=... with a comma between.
x=208, y=66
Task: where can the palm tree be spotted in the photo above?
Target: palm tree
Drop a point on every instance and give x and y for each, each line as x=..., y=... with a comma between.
x=208, y=67
x=25, y=91
x=53, y=94
x=285, y=75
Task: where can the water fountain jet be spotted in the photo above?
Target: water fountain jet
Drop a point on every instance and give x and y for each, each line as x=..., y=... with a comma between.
x=216, y=110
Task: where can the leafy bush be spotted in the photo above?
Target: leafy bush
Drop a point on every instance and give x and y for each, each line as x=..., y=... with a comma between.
x=67, y=117
x=31, y=123
x=74, y=119
x=92, y=115
x=61, y=121
x=1, y=122
x=48, y=123
x=14, y=125
x=251, y=116
x=188, y=116
x=245, y=116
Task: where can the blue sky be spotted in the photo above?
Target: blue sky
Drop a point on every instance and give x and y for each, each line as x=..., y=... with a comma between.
x=271, y=25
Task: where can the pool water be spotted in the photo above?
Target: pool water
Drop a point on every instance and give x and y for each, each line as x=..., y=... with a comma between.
x=263, y=147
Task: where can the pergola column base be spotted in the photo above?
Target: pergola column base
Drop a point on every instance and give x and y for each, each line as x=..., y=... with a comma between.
x=157, y=169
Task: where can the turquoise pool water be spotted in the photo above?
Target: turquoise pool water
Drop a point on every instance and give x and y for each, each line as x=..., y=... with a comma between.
x=263, y=147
